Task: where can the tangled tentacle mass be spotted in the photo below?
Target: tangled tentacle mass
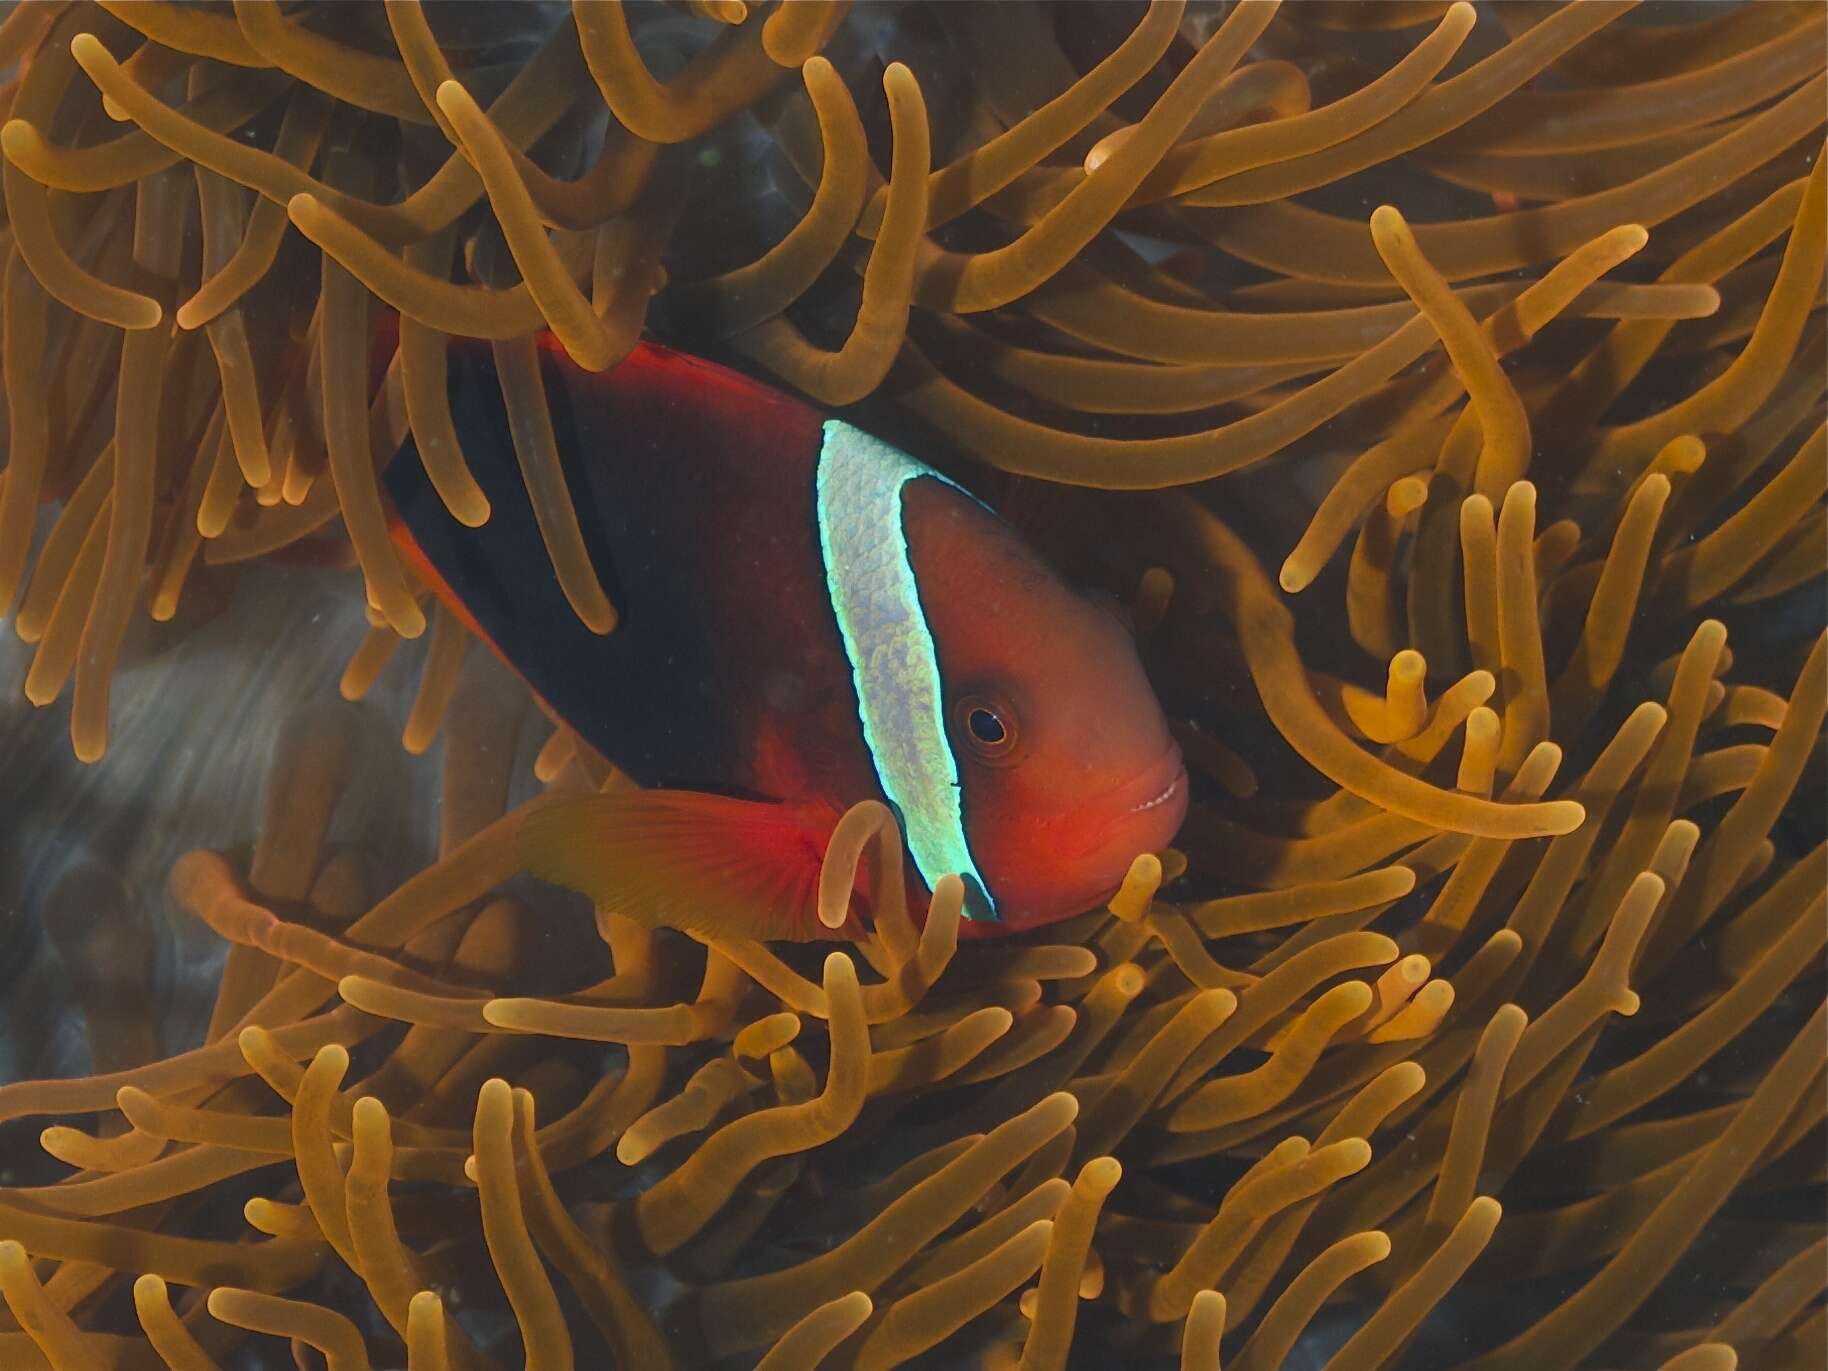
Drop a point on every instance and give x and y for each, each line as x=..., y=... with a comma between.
x=1441, y=387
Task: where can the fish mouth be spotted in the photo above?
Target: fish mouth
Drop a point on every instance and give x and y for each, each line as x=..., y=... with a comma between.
x=1162, y=782
x=1159, y=788
x=1173, y=789
x=1135, y=820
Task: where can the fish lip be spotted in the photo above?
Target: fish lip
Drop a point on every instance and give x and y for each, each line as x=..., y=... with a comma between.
x=1160, y=783
x=1172, y=789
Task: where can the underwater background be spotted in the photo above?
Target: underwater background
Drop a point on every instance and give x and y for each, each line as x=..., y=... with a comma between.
x=1438, y=389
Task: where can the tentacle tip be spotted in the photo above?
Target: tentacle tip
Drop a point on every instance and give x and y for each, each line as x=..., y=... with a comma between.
x=17, y=137
x=1564, y=816
x=89, y=50
x=1550, y=754
x=451, y=96
x=408, y=623
x=191, y=316
x=1128, y=980
x=1102, y=1173
x=1355, y=998
x=592, y=354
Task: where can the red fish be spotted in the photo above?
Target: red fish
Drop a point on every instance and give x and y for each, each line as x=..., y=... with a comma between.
x=807, y=618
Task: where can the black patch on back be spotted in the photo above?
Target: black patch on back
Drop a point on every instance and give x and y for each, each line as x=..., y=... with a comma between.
x=620, y=691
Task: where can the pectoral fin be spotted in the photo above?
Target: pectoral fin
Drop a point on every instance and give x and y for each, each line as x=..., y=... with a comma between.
x=706, y=864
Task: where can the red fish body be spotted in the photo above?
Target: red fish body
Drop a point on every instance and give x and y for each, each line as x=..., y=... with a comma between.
x=807, y=619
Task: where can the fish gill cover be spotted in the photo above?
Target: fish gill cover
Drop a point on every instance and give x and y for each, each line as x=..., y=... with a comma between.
x=1466, y=369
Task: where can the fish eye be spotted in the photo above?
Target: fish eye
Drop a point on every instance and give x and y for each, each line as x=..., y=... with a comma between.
x=987, y=725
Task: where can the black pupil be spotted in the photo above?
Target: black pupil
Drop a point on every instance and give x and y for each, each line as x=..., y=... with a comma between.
x=985, y=726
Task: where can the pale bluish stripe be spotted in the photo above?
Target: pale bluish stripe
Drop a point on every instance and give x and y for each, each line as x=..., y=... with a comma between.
x=893, y=660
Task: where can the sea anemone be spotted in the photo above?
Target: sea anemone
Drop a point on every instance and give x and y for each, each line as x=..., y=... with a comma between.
x=1474, y=1020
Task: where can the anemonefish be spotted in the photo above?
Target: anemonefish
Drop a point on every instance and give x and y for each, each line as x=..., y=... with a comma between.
x=808, y=617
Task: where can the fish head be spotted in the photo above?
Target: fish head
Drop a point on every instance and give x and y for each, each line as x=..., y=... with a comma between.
x=1066, y=767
